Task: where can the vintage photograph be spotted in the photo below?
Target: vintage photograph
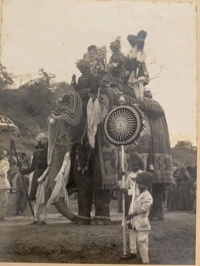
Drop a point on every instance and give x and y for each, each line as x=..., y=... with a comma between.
x=98, y=138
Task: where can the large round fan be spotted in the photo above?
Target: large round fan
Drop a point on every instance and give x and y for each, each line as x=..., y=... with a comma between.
x=124, y=125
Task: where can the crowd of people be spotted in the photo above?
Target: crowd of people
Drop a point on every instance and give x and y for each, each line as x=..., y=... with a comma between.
x=19, y=176
x=128, y=69
x=182, y=194
x=14, y=176
x=16, y=184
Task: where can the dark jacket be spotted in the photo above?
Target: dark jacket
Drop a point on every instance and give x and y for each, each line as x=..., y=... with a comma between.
x=38, y=166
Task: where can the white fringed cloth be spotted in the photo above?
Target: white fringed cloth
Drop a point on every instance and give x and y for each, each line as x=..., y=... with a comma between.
x=59, y=188
x=93, y=119
x=61, y=182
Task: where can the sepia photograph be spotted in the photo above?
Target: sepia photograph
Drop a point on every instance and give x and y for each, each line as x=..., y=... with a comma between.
x=98, y=132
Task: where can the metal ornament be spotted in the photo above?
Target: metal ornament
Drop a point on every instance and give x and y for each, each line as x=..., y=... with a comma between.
x=124, y=125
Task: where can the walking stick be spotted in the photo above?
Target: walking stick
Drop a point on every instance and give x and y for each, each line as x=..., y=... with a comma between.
x=105, y=56
x=20, y=166
x=123, y=207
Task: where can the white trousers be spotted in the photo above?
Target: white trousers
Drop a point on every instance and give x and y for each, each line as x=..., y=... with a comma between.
x=40, y=213
x=141, y=238
x=139, y=89
x=3, y=202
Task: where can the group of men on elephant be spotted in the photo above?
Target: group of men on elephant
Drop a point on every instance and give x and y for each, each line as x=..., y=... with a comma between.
x=77, y=139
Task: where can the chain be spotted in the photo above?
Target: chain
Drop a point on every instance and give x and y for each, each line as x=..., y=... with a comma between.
x=85, y=168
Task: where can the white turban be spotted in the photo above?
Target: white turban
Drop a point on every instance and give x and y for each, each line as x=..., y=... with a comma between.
x=42, y=138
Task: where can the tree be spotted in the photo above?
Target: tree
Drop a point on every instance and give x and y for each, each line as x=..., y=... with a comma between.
x=6, y=81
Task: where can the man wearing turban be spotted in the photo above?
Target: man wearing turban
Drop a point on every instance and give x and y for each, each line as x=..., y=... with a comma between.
x=116, y=59
x=86, y=82
x=38, y=166
x=135, y=63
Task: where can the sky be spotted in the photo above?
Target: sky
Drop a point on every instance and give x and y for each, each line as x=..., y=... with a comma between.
x=54, y=34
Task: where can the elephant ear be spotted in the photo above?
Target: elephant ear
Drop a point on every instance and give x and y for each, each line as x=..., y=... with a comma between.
x=69, y=107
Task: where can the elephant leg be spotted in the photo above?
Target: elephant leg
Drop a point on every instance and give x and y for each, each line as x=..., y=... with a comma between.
x=85, y=198
x=157, y=211
x=128, y=200
x=102, y=206
x=101, y=196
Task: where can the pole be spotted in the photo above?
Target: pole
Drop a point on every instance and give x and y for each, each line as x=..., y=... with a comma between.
x=123, y=206
x=105, y=56
x=19, y=165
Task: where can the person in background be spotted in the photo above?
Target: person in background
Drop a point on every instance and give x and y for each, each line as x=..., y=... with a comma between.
x=184, y=183
x=13, y=169
x=4, y=185
x=194, y=190
x=172, y=201
x=137, y=165
x=5, y=155
x=21, y=182
x=21, y=196
x=24, y=160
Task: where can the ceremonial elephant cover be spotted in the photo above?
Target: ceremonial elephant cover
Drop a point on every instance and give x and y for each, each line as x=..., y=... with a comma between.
x=154, y=147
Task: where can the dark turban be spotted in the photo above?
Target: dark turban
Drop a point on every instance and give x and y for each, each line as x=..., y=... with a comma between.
x=83, y=63
x=91, y=47
x=136, y=157
x=116, y=43
x=132, y=39
x=144, y=178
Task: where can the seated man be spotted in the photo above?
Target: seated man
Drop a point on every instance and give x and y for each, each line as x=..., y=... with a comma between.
x=86, y=82
x=116, y=60
x=96, y=59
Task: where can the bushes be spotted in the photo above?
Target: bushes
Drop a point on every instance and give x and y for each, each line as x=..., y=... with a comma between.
x=27, y=108
x=38, y=100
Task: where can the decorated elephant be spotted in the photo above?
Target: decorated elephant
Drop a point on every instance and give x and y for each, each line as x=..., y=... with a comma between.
x=96, y=169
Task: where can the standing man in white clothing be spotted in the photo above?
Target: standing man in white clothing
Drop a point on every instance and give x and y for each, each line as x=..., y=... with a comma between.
x=137, y=219
x=4, y=185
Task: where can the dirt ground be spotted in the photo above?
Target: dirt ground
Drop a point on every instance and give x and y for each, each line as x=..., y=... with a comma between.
x=172, y=241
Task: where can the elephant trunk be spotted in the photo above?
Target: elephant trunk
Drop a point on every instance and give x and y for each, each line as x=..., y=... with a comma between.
x=55, y=167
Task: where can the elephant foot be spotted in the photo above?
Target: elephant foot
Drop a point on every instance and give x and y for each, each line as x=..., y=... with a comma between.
x=93, y=222
x=74, y=220
x=160, y=218
x=82, y=220
x=156, y=218
x=102, y=220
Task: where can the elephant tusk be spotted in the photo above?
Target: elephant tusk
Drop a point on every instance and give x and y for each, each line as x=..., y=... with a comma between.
x=43, y=176
x=61, y=180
